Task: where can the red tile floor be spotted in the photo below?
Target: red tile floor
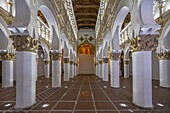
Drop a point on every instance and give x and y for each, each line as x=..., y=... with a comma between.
x=85, y=94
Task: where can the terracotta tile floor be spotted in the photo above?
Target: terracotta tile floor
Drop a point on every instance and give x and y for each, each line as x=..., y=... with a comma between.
x=85, y=94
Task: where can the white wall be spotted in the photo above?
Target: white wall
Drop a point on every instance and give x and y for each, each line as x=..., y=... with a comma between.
x=86, y=64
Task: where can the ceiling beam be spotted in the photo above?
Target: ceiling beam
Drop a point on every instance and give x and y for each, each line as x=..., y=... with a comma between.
x=87, y=6
x=85, y=14
x=86, y=24
x=85, y=19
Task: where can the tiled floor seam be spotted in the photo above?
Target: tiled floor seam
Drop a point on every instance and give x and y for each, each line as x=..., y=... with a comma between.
x=74, y=108
x=107, y=96
x=95, y=109
x=63, y=96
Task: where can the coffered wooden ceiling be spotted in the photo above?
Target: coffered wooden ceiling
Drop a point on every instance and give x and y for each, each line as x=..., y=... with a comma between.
x=86, y=12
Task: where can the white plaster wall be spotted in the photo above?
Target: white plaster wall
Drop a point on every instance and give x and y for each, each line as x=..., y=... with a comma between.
x=86, y=64
x=155, y=66
x=89, y=32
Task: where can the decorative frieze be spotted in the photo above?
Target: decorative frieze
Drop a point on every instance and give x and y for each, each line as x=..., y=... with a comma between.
x=7, y=56
x=115, y=55
x=105, y=60
x=66, y=60
x=144, y=43
x=71, y=62
x=24, y=43
x=56, y=55
x=126, y=61
x=164, y=55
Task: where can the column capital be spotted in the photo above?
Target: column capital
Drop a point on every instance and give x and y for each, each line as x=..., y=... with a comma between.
x=56, y=55
x=71, y=62
x=126, y=61
x=115, y=55
x=24, y=43
x=66, y=60
x=100, y=62
x=47, y=61
x=144, y=43
x=105, y=60
x=7, y=56
x=164, y=55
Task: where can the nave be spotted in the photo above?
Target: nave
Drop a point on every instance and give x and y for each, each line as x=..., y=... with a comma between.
x=85, y=94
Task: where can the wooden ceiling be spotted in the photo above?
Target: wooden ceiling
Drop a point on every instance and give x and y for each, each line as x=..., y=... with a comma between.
x=86, y=12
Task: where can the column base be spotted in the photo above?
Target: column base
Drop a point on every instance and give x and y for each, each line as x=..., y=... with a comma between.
x=142, y=107
x=18, y=108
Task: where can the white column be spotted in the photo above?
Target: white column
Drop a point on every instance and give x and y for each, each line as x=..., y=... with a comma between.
x=100, y=68
x=142, y=78
x=105, y=69
x=126, y=68
x=25, y=79
x=71, y=69
x=77, y=66
x=66, y=69
x=97, y=69
x=73, y=74
x=164, y=72
x=56, y=69
x=115, y=68
x=36, y=70
x=75, y=69
x=7, y=73
x=47, y=68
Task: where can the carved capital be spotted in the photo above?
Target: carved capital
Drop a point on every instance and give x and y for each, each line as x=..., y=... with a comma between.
x=164, y=56
x=144, y=43
x=71, y=62
x=100, y=62
x=7, y=56
x=115, y=55
x=126, y=61
x=56, y=55
x=24, y=43
x=47, y=62
x=66, y=60
x=105, y=60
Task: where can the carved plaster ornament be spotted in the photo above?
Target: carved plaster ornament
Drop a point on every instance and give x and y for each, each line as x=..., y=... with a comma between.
x=7, y=56
x=24, y=43
x=164, y=55
x=144, y=43
x=105, y=60
x=56, y=55
x=115, y=55
x=126, y=61
x=66, y=60
x=71, y=62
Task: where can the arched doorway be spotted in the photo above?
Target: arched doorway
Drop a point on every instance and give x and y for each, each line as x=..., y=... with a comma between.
x=86, y=58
